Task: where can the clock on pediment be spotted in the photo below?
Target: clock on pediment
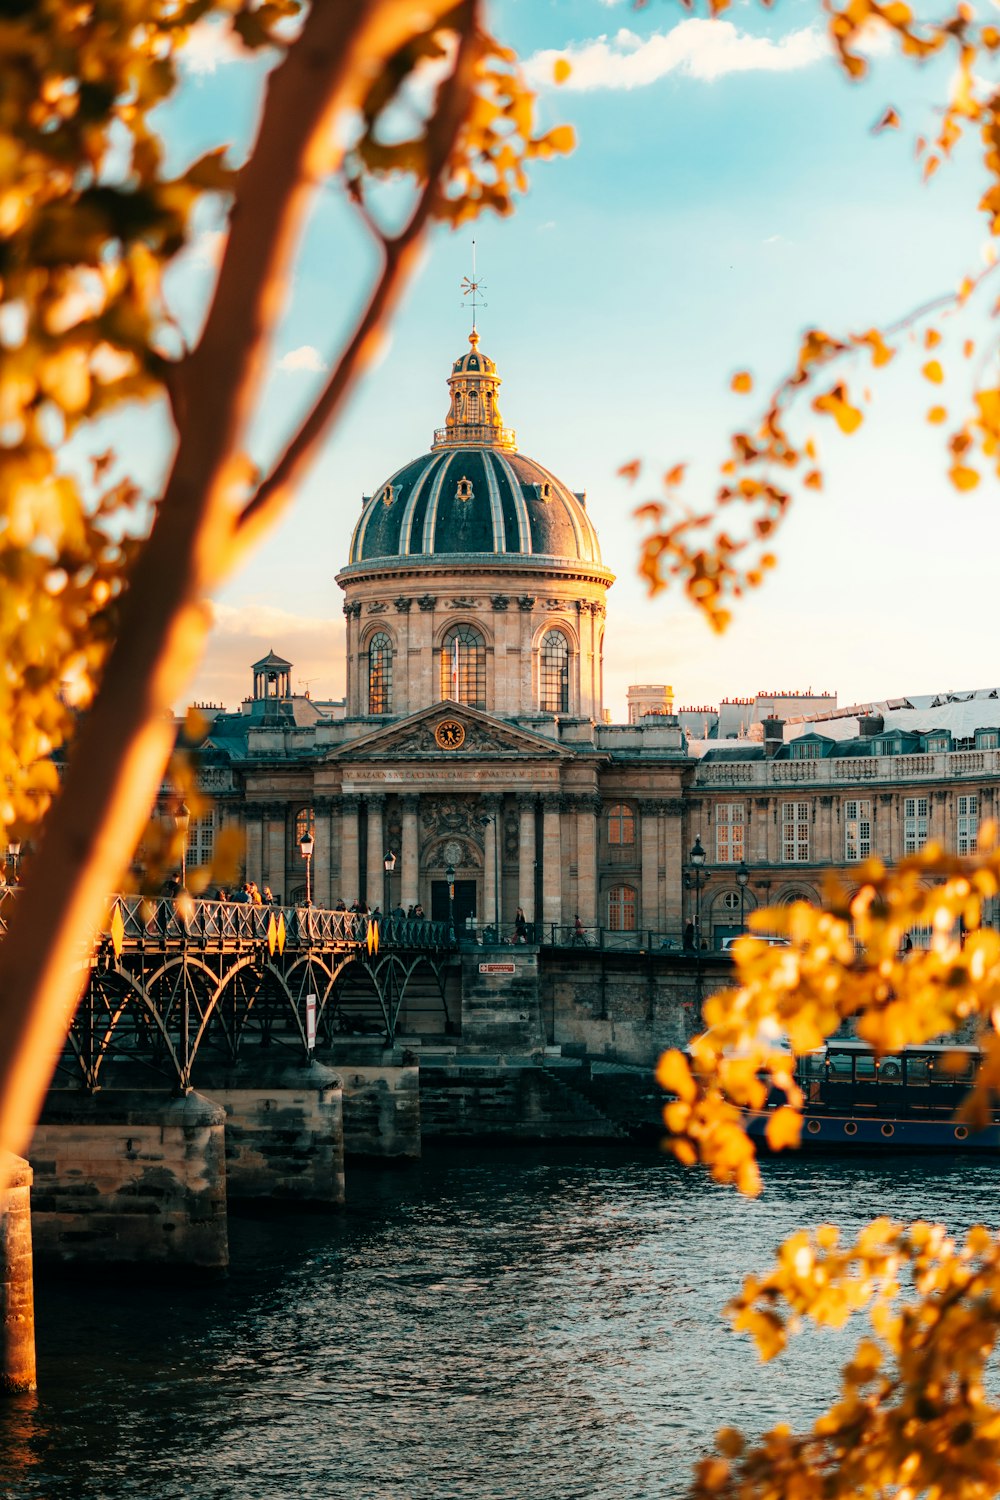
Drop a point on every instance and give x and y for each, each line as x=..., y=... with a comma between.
x=450, y=734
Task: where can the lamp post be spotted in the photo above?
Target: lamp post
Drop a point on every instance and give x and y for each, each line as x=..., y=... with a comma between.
x=449, y=875
x=14, y=854
x=484, y=822
x=182, y=822
x=388, y=865
x=306, y=843
x=696, y=880
x=743, y=880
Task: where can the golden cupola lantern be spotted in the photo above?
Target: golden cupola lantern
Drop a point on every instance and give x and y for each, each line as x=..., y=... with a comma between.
x=474, y=418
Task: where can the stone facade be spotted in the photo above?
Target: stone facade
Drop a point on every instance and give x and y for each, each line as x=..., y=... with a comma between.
x=473, y=737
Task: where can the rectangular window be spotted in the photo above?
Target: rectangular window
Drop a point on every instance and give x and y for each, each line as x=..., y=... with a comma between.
x=730, y=833
x=968, y=823
x=857, y=830
x=795, y=832
x=201, y=839
x=914, y=824
x=986, y=741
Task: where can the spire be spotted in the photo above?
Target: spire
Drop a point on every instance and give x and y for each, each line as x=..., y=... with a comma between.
x=474, y=418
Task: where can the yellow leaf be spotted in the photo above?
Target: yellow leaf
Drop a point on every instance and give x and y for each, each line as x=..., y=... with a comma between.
x=813, y=480
x=931, y=338
x=784, y=1128
x=937, y=414
x=674, y=475
x=674, y=1076
x=932, y=371
x=962, y=477
x=889, y=120
x=742, y=382
x=630, y=471
x=561, y=70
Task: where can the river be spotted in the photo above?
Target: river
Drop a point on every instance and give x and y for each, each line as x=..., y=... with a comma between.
x=532, y=1323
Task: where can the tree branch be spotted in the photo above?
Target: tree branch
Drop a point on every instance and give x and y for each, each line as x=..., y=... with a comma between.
x=126, y=738
x=399, y=258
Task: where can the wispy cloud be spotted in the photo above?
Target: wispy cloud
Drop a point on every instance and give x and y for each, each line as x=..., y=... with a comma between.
x=306, y=357
x=703, y=49
x=211, y=45
x=243, y=633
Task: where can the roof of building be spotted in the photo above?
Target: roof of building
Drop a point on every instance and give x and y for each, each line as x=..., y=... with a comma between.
x=474, y=493
x=960, y=712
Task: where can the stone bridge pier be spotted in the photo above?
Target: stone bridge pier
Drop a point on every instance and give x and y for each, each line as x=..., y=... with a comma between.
x=17, y=1303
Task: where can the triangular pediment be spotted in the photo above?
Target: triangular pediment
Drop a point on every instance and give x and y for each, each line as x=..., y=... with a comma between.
x=452, y=732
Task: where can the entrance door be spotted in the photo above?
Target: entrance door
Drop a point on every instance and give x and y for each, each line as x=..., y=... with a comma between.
x=465, y=901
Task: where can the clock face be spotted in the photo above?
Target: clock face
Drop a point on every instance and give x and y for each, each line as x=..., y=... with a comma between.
x=449, y=734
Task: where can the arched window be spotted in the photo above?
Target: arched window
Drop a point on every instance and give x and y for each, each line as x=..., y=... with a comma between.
x=305, y=822
x=380, y=674
x=553, y=674
x=621, y=908
x=621, y=824
x=463, y=666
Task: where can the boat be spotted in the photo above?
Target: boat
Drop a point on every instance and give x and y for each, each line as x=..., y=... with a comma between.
x=905, y=1101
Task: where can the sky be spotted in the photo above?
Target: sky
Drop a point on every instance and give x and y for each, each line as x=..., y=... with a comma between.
x=726, y=193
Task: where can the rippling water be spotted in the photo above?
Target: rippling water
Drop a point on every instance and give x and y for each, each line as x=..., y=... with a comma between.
x=524, y=1323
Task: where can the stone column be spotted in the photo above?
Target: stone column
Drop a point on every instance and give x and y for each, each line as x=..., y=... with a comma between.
x=322, y=860
x=410, y=874
x=551, y=864
x=491, y=809
x=350, y=875
x=587, y=812
x=401, y=661
x=255, y=844
x=650, y=866
x=274, y=863
x=17, y=1301
x=376, y=848
x=676, y=850
x=526, y=857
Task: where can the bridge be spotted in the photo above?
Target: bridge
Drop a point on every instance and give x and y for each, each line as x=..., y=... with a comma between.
x=178, y=982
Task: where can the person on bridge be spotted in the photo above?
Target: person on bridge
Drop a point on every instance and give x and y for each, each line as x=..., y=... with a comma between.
x=579, y=934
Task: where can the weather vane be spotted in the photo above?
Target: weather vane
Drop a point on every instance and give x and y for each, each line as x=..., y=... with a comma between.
x=474, y=285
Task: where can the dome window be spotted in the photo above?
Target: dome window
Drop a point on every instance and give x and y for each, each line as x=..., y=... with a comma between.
x=388, y=495
x=380, y=674
x=553, y=676
x=544, y=490
x=463, y=666
x=464, y=491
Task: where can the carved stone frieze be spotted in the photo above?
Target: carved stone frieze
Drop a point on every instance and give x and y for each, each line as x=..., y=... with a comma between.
x=464, y=601
x=440, y=816
x=377, y=607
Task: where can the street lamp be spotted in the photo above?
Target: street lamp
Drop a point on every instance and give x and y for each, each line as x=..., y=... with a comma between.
x=449, y=875
x=695, y=879
x=14, y=854
x=182, y=822
x=484, y=822
x=743, y=880
x=306, y=843
x=388, y=865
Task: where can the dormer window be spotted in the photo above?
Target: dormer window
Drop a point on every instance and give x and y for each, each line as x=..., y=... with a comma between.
x=807, y=750
x=545, y=490
x=986, y=739
x=937, y=742
x=464, y=491
x=388, y=494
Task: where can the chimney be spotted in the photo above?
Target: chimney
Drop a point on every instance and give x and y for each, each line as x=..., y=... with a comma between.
x=774, y=737
x=869, y=725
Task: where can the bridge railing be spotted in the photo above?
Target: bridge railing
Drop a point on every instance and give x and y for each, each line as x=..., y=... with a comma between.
x=165, y=919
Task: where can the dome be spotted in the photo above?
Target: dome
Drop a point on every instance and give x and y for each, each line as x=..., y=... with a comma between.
x=474, y=493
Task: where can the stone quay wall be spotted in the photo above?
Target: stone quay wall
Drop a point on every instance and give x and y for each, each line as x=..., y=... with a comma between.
x=624, y=1007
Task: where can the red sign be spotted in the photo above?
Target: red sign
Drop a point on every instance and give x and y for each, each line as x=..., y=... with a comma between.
x=496, y=969
x=311, y=1022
